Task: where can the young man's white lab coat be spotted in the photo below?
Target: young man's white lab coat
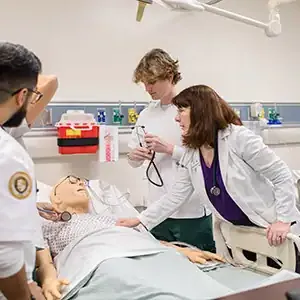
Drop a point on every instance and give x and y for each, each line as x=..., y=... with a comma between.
x=159, y=120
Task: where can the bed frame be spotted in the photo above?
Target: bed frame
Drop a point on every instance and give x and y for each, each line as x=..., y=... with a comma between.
x=253, y=239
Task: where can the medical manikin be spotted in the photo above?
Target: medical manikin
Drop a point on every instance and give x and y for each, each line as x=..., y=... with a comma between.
x=70, y=195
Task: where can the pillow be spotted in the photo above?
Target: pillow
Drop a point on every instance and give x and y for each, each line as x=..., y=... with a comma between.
x=44, y=191
x=107, y=199
x=101, y=194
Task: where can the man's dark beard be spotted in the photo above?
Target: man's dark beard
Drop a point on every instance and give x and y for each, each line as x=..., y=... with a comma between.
x=17, y=119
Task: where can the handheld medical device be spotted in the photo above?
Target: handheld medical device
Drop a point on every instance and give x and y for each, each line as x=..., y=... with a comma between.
x=271, y=28
x=65, y=216
x=151, y=163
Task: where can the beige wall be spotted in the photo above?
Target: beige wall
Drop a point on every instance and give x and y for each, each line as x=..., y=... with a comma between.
x=51, y=166
x=94, y=45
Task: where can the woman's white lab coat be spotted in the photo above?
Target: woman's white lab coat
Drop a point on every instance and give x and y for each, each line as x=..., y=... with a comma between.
x=258, y=181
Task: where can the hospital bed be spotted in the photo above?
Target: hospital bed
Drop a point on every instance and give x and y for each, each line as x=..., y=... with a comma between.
x=244, y=273
x=240, y=274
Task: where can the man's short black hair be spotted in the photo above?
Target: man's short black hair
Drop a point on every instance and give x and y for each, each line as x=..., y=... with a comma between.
x=19, y=68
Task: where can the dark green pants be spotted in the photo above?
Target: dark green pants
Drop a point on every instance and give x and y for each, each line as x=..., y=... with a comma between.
x=196, y=232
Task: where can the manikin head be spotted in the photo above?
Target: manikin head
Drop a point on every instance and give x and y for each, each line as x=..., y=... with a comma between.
x=19, y=70
x=159, y=74
x=70, y=194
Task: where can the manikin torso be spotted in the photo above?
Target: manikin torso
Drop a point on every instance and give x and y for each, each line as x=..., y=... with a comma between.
x=57, y=235
x=70, y=194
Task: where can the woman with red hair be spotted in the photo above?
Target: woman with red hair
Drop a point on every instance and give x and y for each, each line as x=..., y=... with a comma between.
x=235, y=174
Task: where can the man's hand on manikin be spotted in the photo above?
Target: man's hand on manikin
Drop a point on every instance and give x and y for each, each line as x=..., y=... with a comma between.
x=52, y=215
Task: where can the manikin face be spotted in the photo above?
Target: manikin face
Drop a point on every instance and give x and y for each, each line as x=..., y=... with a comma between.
x=184, y=119
x=70, y=193
x=159, y=89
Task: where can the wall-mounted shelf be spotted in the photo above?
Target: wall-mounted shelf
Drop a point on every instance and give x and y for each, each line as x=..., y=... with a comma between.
x=290, y=112
x=56, y=109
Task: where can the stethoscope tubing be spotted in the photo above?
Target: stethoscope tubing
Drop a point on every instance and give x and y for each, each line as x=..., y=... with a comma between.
x=151, y=163
x=215, y=190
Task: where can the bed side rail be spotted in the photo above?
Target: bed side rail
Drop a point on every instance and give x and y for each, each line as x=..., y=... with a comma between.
x=239, y=238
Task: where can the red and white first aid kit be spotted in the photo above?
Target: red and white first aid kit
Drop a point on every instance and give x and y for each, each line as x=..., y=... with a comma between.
x=78, y=133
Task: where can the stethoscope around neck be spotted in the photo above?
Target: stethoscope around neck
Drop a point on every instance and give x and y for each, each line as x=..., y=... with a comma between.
x=215, y=190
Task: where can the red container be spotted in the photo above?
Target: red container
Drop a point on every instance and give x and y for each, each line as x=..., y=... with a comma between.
x=77, y=137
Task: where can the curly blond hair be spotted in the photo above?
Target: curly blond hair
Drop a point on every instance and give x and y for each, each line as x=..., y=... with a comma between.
x=157, y=65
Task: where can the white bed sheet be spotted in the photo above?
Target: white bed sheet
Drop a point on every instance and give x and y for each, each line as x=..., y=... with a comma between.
x=240, y=279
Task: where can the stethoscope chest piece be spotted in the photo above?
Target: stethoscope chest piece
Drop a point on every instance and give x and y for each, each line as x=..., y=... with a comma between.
x=65, y=216
x=215, y=191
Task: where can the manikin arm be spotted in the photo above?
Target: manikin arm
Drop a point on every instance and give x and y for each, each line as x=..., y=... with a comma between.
x=45, y=267
x=195, y=255
x=47, y=275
